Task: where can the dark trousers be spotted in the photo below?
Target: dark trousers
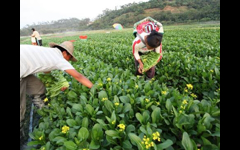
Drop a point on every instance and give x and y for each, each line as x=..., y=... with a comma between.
x=150, y=73
x=39, y=42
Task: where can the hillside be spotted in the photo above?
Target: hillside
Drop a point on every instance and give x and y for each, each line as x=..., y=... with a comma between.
x=168, y=12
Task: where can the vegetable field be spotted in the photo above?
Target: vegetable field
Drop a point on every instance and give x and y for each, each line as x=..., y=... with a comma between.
x=179, y=109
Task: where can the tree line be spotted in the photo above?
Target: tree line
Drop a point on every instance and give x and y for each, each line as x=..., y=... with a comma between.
x=128, y=14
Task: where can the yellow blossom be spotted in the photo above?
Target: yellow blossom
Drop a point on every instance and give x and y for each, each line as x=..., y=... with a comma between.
x=186, y=90
x=65, y=129
x=180, y=111
x=113, y=122
x=147, y=100
x=49, y=104
x=41, y=138
x=164, y=92
x=122, y=127
x=46, y=99
x=193, y=95
x=190, y=86
x=211, y=71
x=116, y=104
x=184, y=102
x=109, y=79
x=158, y=103
x=100, y=84
x=136, y=86
x=103, y=99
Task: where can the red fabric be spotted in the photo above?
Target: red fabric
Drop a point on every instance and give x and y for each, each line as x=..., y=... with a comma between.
x=140, y=27
x=136, y=42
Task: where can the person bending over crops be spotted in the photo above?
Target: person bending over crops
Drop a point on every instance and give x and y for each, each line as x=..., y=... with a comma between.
x=143, y=44
x=35, y=59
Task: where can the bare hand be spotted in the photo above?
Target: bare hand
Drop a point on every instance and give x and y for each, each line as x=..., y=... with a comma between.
x=140, y=68
x=63, y=88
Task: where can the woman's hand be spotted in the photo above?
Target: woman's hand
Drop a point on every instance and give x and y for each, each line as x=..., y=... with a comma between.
x=63, y=88
x=140, y=68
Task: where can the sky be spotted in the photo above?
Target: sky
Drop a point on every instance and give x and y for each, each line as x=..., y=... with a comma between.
x=32, y=11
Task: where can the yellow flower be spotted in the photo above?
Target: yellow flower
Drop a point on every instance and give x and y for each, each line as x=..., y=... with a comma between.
x=184, y=102
x=164, y=92
x=100, y=84
x=45, y=100
x=211, y=71
x=180, y=111
x=109, y=79
x=113, y=122
x=122, y=127
x=65, y=129
x=49, y=104
x=190, y=86
x=156, y=135
x=103, y=99
x=193, y=95
x=136, y=86
x=147, y=100
x=186, y=90
x=41, y=138
x=157, y=103
x=116, y=104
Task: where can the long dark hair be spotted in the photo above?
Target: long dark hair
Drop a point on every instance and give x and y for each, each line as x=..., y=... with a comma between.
x=154, y=39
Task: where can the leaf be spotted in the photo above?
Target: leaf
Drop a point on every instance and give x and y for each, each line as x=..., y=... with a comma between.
x=77, y=108
x=169, y=105
x=59, y=140
x=85, y=122
x=139, y=117
x=97, y=132
x=32, y=143
x=83, y=134
x=109, y=105
x=136, y=140
x=70, y=145
x=130, y=128
x=89, y=109
x=112, y=133
x=102, y=94
x=94, y=145
x=127, y=144
x=186, y=142
x=124, y=99
x=71, y=122
x=127, y=107
x=165, y=144
x=72, y=95
x=156, y=115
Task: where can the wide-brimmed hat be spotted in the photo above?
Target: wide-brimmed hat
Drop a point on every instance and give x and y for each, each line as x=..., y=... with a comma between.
x=68, y=46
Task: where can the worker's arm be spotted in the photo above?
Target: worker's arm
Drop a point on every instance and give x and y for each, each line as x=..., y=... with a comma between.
x=135, y=50
x=79, y=77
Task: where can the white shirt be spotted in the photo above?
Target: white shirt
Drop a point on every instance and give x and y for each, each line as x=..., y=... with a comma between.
x=35, y=59
x=37, y=35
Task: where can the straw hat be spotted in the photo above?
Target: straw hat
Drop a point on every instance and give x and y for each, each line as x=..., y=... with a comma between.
x=67, y=45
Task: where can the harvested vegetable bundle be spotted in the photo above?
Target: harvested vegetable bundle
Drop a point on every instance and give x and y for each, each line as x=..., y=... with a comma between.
x=53, y=81
x=149, y=60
